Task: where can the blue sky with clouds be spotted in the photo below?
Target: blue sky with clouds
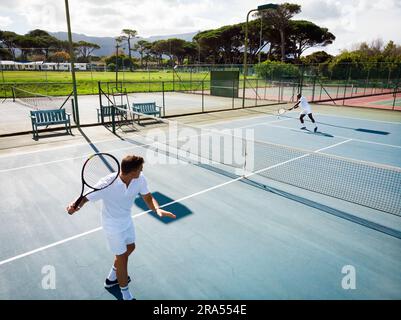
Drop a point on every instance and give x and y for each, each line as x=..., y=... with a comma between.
x=351, y=21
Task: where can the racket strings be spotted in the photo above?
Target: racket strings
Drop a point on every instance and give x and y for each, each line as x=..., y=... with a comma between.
x=97, y=168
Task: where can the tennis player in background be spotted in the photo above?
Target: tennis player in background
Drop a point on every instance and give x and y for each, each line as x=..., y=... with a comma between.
x=306, y=110
x=117, y=222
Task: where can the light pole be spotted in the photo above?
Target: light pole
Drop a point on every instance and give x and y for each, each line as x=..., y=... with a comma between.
x=72, y=59
x=245, y=67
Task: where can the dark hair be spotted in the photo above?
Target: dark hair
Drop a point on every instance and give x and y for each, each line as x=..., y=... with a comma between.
x=299, y=95
x=131, y=163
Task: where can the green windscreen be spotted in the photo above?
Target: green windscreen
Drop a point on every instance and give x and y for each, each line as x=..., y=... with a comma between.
x=224, y=83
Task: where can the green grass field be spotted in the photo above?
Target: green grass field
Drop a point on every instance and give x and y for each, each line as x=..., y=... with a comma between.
x=65, y=76
x=59, y=82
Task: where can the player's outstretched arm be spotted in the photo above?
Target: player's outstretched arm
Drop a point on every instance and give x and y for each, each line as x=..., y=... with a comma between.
x=153, y=205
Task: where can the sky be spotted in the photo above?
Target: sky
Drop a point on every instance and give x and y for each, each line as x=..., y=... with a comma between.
x=351, y=21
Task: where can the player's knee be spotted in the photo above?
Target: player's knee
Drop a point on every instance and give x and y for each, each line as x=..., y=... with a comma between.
x=121, y=258
x=130, y=248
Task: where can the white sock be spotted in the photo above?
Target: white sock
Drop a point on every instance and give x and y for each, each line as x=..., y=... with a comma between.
x=112, y=275
x=126, y=293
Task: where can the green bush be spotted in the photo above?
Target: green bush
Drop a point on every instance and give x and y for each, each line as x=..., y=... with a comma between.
x=276, y=70
x=111, y=67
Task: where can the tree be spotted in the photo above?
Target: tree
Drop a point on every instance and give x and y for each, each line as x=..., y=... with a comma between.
x=305, y=34
x=317, y=57
x=177, y=49
x=280, y=20
x=85, y=49
x=25, y=45
x=260, y=34
x=60, y=57
x=8, y=39
x=5, y=54
x=128, y=35
x=141, y=46
x=222, y=44
x=43, y=42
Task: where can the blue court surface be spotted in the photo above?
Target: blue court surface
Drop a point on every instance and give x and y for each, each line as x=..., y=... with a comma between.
x=321, y=218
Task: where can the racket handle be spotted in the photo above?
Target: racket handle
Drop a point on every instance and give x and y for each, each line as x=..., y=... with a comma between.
x=76, y=203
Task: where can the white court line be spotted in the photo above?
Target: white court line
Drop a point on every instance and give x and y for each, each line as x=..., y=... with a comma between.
x=54, y=244
x=352, y=118
x=116, y=139
x=289, y=128
x=246, y=119
x=69, y=159
x=342, y=137
x=53, y=148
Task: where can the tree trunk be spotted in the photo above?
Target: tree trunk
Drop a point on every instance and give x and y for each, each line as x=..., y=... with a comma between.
x=282, y=45
x=129, y=54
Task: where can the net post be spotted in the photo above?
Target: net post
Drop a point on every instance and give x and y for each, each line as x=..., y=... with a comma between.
x=113, y=119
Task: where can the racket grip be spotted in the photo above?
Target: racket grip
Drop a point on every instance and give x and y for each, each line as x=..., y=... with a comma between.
x=76, y=203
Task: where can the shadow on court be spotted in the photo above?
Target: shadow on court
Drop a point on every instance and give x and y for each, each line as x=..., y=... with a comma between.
x=177, y=208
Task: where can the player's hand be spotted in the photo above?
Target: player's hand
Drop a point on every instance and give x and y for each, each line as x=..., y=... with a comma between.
x=164, y=213
x=70, y=209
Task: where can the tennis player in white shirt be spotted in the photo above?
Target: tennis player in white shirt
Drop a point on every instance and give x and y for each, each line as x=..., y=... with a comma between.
x=117, y=222
x=306, y=110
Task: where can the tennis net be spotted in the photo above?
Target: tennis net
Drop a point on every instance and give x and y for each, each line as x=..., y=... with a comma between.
x=363, y=183
x=39, y=101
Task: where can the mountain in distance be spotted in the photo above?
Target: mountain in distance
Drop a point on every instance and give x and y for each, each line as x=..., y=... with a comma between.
x=108, y=44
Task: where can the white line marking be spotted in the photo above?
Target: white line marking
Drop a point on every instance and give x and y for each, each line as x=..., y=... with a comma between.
x=55, y=148
x=342, y=137
x=54, y=244
x=352, y=118
x=334, y=145
x=68, y=159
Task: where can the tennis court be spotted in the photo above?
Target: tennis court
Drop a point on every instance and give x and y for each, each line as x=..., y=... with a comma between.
x=286, y=234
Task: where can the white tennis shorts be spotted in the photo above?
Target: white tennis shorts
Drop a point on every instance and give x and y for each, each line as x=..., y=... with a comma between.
x=118, y=241
x=305, y=112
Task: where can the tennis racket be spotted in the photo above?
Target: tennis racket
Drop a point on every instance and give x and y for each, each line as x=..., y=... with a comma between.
x=282, y=111
x=97, y=166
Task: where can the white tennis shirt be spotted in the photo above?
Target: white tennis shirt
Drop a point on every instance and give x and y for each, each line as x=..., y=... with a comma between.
x=118, y=200
x=305, y=105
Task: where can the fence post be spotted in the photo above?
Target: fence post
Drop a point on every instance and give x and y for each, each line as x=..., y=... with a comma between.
x=164, y=103
x=233, y=88
x=113, y=119
x=313, y=88
x=73, y=110
x=203, y=98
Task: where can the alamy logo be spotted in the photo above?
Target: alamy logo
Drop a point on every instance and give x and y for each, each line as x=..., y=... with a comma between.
x=49, y=279
x=349, y=280
x=228, y=146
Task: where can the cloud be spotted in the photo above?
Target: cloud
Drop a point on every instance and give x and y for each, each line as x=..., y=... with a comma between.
x=5, y=22
x=321, y=9
x=351, y=21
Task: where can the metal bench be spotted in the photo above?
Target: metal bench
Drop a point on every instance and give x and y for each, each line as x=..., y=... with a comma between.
x=49, y=117
x=105, y=111
x=148, y=108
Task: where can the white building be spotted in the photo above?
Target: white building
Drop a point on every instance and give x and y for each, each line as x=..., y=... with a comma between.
x=40, y=65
